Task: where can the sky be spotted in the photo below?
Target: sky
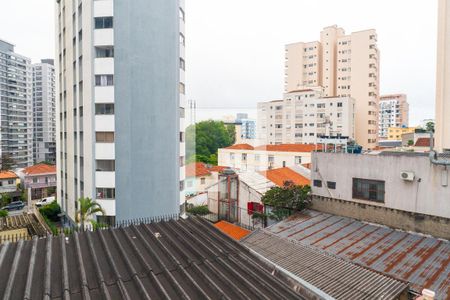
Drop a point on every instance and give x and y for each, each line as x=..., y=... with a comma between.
x=235, y=48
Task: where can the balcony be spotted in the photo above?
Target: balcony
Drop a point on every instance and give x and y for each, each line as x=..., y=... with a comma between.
x=104, y=123
x=104, y=94
x=104, y=37
x=105, y=151
x=104, y=65
x=105, y=179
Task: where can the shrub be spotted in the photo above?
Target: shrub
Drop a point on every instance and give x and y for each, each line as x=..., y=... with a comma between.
x=3, y=213
x=199, y=210
x=51, y=211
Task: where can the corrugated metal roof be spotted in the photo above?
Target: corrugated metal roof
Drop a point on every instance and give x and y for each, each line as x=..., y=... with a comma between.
x=256, y=181
x=338, y=278
x=422, y=260
x=186, y=259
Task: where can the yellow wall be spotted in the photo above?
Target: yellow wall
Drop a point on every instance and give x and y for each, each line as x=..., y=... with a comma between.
x=395, y=133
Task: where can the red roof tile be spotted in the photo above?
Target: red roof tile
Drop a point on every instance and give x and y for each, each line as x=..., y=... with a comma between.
x=233, y=231
x=7, y=175
x=281, y=175
x=241, y=147
x=422, y=142
x=217, y=168
x=289, y=147
x=40, y=169
x=197, y=169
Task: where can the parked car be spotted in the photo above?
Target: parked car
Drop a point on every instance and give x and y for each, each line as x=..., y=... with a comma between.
x=45, y=201
x=16, y=205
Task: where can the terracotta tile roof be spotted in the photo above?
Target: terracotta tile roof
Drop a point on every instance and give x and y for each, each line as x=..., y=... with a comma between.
x=289, y=147
x=40, y=169
x=422, y=142
x=281, y=175
x=7, y=175
x=233, y=231
x=217, y=168
x=197, y=169
x=241, y=147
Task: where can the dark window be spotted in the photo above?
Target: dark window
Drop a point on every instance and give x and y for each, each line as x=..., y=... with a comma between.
x=104, y=109
x=103, y=22
x=318, y=183
x=104, y=80
x=106, y=165
x=104, y=137
x=106, y=193
x=331, y=185
x=372, y=190
x=104, y=52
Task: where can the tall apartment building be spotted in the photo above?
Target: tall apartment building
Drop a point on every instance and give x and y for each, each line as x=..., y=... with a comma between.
x=120, y=70
x=443, y=78
x=393, y=112
x=44, y=112
x=345, y=66
x=16, y=111
x=303, y=116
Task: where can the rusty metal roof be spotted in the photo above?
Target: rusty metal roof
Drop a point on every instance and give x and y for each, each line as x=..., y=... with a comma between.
x=422, y=260
x=185, y=259
x=336, y=277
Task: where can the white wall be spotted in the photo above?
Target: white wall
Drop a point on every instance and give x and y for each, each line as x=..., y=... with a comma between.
x=425, y=195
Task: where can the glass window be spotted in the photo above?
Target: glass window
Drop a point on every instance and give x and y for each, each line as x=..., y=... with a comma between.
x=104, y=137
x=106, y=165
x=103, y=22
x=106, y=193
x=104, y=109
x=372, y=190
x=331, y=185
x=104, y=52
x=317, y=183
x=298, y=160
x=104, y=80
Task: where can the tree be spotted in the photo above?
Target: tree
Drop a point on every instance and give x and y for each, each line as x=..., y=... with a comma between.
x=5, y=199
x=88, y=208
x=7, y=162
x=205, y=138
x=3, y=213
x=429, y=126
x=231, y=130
x=286, y=198
x=410, y=143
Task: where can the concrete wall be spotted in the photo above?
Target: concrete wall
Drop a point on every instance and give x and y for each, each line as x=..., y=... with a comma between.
x=436, y=226
x=147, y=42
x=428, y=194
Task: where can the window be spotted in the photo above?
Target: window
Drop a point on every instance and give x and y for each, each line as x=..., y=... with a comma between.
x=181, y=185
x=372, y=190
x=182, y=15
x=244, y=156
x=104, y=137
x=339, y=104
x=182, y=88
x=106, y=165
x=298, y=160
x=271, y=158
x=317, y=183
x=104, y=80
x=101, y=52
x=106, y=193
x=182, y=137
x=257, y=157
x=182, y=64
x=104, y=109
x=202, y=180
x=231, y=156
x=35, y=180
x=103, y=22
x=182, y=39
x=331, y=185
x=10, y=181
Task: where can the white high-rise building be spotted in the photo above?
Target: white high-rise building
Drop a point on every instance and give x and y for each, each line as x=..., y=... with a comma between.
x=44, y=112
x=344, y=66
x=120, y=106
x=443, y=78
x=393, y=112
x=16, y=112
x=303, y=116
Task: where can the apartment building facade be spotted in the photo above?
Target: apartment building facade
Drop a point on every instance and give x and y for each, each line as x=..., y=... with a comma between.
x=44, y=112
x=16, y=108
x=393, y=112
x=304, y=116
x=443, y=78
x=246, y=158
x=345, y=66
x=119, y=92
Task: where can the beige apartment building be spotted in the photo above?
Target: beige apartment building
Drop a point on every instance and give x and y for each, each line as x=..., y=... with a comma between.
x=443, y=78
x=345, y=66
x=393, y=112
x=303, y=116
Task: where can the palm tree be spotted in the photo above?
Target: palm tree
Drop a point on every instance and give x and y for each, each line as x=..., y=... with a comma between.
x=87, y=209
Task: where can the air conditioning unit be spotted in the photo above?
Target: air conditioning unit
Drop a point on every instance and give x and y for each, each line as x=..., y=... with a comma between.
x=407, y=176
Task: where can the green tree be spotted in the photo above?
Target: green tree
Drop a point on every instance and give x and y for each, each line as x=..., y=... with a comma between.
x=5, y=199
x=88, y=208
x=286, y=198
x=410, y=143
x=429, y=126
x=205, y=138
x=231, y=130
x=7, y=162
x=3, y=213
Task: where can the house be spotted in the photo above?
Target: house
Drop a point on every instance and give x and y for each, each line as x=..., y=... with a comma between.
x=245, y=157
x=8, y=182
x=175, y=259
x=40, y=179
x=419, y=259
x=199, y=176
x=405, y=190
